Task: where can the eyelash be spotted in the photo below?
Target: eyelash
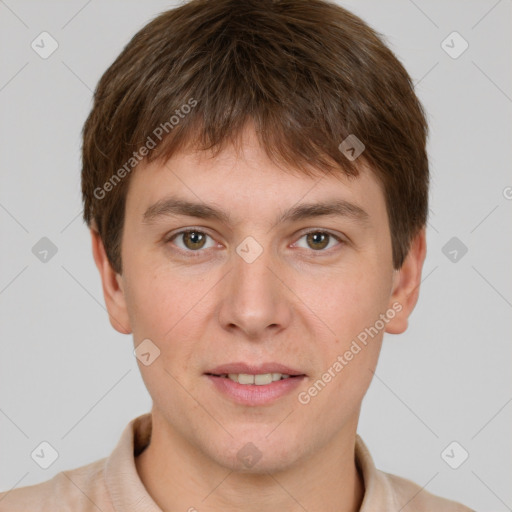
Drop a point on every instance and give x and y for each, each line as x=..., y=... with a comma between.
x=194, y=254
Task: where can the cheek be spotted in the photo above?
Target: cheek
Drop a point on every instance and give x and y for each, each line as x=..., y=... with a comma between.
x=155, y=297
x=162, y=313
x=349, y=301
x=349, y=305
x=350, y=348
x=165, y=307
x=148, y=306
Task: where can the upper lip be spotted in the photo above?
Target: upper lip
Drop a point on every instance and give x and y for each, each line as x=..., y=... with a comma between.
x=252, y=369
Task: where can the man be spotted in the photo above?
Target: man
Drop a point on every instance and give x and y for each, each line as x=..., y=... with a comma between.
x=255, y=179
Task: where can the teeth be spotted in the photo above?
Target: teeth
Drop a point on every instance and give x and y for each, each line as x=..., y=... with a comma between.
x=258, y=380
x=266, y=378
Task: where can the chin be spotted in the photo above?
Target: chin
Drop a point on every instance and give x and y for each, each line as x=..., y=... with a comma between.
x=253, y=453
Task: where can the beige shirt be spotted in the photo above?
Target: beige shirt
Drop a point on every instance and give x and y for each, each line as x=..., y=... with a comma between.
x=112, y=484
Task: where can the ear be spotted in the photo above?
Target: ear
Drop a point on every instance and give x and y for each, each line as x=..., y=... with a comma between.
x=406, y=284
x=112, y=287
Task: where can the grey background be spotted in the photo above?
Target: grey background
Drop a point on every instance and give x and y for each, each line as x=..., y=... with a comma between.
x=68, y=378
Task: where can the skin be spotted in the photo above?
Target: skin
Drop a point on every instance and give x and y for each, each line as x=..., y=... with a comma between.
x=287, y=306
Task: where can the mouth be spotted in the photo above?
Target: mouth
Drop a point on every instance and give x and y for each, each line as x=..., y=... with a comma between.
x=261, y=379
x=254, y=385
x=260, y=375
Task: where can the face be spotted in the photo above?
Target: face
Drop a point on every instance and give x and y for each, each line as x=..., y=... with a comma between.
x=308, y=294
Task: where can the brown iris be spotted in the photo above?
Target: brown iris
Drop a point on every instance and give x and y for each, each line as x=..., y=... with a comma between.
x=195, y=238
x=318, y=238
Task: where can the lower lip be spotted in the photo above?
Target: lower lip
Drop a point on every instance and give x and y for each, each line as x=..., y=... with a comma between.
x=252, y=394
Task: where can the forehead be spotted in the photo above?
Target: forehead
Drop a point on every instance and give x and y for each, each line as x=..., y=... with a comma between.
x=247, y=183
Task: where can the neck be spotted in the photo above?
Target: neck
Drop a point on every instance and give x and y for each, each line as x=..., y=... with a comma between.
x=328, y=481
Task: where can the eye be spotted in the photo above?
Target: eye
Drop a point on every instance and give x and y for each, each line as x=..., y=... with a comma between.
x=319, y=240
x=192, y=240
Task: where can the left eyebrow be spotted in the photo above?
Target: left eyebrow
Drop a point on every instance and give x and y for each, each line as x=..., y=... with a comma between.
x=338, y=207
x=172, y=206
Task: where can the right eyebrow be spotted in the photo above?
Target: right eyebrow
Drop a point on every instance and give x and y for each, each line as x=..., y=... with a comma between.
x=174, y=206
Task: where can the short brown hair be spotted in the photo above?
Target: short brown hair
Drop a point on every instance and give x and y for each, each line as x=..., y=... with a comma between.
x=308, y=73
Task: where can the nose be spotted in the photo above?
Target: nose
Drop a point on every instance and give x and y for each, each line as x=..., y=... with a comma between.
x=255, y=302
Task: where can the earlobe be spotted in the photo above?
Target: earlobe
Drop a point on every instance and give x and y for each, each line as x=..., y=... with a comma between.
x=112, y=285
x=406, y=284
